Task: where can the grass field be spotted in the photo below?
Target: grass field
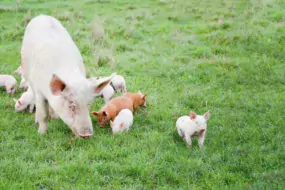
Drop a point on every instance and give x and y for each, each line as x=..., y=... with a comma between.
x=226, y=56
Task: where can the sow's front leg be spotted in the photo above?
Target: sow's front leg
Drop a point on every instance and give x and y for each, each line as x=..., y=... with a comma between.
x=42, y=113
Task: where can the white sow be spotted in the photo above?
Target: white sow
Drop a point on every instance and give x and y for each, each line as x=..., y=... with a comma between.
x=192, y=125
x=122, y=122
x=53, y=67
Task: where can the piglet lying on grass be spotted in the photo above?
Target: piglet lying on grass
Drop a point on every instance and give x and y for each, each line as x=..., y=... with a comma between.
x=122, y=122
x=193, y=125
x=9, y=82
x=25, y=101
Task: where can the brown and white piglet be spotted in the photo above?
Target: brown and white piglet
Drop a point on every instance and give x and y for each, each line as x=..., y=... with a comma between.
x=112, y=109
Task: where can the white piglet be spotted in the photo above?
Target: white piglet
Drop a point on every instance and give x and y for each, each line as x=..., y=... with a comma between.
x=25, y=101
x=9, y=82
x=122, y=122
x=53, y=67
x=107, y=93
x=119, y=84
x=193, y=125
x=23, y=83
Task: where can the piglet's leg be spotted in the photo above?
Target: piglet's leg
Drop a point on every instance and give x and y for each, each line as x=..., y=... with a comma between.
x=180, y=132
x=124, y=88
x=201, y=139
x=31, y=108
x=188, y=139
x=42, y=113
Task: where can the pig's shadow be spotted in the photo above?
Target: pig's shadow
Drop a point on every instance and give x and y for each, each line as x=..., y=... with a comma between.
x=181, y=142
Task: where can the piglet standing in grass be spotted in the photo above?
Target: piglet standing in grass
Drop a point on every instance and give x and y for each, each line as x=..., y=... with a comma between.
x=193, y=125
x=138, y=99
x=112, y=109
x=122, y=122
x=23, y=83
x=9, y=82
x=107, y=93
x=25, y=101
x=119, y=83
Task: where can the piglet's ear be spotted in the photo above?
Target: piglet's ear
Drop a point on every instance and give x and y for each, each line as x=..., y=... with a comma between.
x=207, y=115
x=122, y=124
x=56, y=85
x=19, y=102
x=111, y=123
x=192, y=115
x=95, y=113
x=144, y=96
x=105, y=113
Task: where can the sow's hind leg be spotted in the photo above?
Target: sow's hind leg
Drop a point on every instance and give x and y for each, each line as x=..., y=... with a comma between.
x=42, y=113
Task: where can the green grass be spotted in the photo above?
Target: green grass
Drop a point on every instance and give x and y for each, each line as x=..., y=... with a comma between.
x=223, y=56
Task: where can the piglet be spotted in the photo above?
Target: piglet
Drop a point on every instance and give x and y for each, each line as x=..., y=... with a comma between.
x=107, y=92
x=112, y=109
x=193, y=125
x=138, y=99
x=119, y=83
x=9, y=82
x=23, y=83
x=122, y=122
x=25, y=101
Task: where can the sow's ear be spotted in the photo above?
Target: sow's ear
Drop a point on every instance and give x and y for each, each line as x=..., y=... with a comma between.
x=101, y=84
x=56, y=85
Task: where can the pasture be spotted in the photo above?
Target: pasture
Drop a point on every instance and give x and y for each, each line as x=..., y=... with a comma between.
x=223, y=56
